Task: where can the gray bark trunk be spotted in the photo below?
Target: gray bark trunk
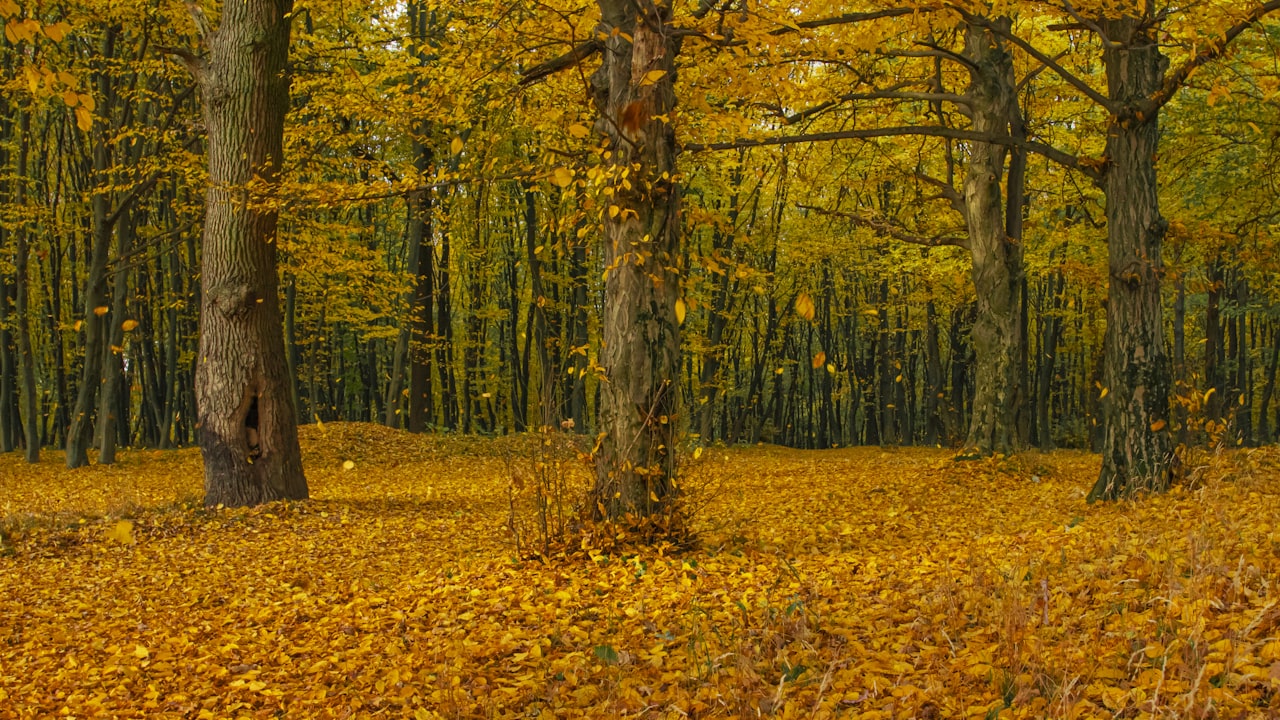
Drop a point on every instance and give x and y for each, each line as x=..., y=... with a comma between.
x=1137, y=447
x=995, y=248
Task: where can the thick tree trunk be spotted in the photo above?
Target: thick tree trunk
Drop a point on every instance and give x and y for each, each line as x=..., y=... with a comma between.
x=634, y=96
x=1136, y=452
x=247, y=425
x=995, y=251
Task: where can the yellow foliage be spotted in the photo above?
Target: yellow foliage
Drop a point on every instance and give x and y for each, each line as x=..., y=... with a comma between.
x=848, y=583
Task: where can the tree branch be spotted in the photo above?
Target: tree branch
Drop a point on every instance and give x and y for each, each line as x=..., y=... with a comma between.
x=580, y=52
x=853, y=17
x=1175, y=80
x=1049, y=152
x=1084, y=87
x=886, y=230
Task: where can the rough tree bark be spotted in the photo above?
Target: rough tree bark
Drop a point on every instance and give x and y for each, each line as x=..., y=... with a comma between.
x=994, y=247
x=247, y=424
x=1137, y=448
x=634, y=97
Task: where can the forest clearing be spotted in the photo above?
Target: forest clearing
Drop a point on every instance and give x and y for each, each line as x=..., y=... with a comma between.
x=858, y=583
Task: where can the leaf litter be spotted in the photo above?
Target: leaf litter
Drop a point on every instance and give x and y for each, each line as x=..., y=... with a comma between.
x=854, y=583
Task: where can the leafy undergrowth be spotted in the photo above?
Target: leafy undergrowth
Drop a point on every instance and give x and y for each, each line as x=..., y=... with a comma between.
x=849, y=583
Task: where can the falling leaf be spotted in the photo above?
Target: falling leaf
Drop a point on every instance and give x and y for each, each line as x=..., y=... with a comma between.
x=128, y=325
x=348, y=465
x=819, y=360
x=680, y=311
x=805, y=307
x=101, y=310
x=456, y=145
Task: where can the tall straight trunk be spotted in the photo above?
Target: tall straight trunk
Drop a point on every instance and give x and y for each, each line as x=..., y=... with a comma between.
x=1181, y=381
x=576, y=391
x=934, y=386
x=247, y=426
x=543, y=337
x=1242, y=385
x=1051, y=331
x=95, y=317
x=634, y=96
x=421, y=302
x=444, y=338
x=1214, y=354
x=8, y=374
x=113, y=380
x=1137, y=448
x=22, y=252
x=994, y=248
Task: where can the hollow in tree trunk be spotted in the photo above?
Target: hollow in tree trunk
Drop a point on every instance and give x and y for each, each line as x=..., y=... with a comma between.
x=247, y=424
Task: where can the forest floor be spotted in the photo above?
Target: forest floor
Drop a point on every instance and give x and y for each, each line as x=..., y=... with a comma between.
x=865, y=583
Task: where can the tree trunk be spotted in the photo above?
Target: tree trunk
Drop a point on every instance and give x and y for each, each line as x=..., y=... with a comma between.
x=95, y=319
x=995, y=251
x=26, y=360
x=247, y=424
x=1136, y=452
x=421, y=303
x=113, y=379
x=634, y=96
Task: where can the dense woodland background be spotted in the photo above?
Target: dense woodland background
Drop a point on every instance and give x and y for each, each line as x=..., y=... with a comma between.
x=440, y=227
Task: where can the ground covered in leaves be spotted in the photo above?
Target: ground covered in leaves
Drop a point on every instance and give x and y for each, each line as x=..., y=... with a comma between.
x=861, y=583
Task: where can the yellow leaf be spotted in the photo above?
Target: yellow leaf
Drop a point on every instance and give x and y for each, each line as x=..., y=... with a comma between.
x=652, y=77
x=1103, y=393
x=456, y=146
x=140, y=652
x=84, y=119
x=1157, y=425
x=121, y=532
x=831, y=368
x=804, y=306
x=128, y=325
x=579, y=131
x=680, y=311
x=57, y=31
x=819, y=360
x=348, y=465
x=562, y=177
x=697, y=453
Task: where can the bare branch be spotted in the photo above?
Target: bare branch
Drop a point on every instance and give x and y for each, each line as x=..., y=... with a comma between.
x=579, y=53
x=885, y=229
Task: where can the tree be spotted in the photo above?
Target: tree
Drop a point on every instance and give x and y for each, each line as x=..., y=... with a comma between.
x=634, y=95
x=248, y=431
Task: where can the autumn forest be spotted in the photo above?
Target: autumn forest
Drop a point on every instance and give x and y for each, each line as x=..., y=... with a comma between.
x=640, y=358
